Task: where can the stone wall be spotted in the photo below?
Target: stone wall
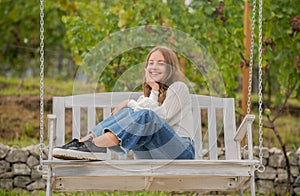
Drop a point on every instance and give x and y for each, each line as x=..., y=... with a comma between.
x=18, y=170
x=274, y=179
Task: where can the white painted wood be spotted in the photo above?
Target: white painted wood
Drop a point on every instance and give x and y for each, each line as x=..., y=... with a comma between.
x=242, y=130
x=231, y=147
x=76, y=121
x=59, y=111
x=249, y=137
x=197, y=127
x=212, y=133
x=197, y=134
x=91, y=117
x=149, y=169
x=139, y=183
x=106, y=112
x=51, y=128
x=171, y=175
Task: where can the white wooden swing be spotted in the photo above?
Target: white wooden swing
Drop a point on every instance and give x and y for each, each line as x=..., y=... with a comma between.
x=204, y=174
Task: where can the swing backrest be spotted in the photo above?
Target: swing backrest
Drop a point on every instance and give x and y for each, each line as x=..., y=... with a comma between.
x=214, y=120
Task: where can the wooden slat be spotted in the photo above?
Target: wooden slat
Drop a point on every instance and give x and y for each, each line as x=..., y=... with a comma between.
x=249, y=139
x=147, y=170
x=59, y=111
x=138, y=183
x=212, y=133
x=76, y=118
x=156, y=168
x=106, y=112
x=91, y=117
x=206, y=101
x=156, y=162
x=99, y=99
x=197, y=134
x=231, y=147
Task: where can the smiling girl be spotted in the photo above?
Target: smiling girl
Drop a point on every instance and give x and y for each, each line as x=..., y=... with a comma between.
x=159, y=125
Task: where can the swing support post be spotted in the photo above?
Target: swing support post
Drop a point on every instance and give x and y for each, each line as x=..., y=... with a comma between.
x=245, y=68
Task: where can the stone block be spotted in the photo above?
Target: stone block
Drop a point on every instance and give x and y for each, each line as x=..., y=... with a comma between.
x=265, y=152
x=280, y=189
x=275, y=150
x=297, y=182
x=4, y=166
x=294, y=171
x=277, y=160
x=21, y=181
x=21, y=169
x=32, y=161
x=268, y=174
x=6, y=183
x=35, y=151
x=265, y=186
x=3, y=150
x=293, y=158
x=282, y=176
x=35, y=174
x=37, y=185
x=16, y=155
x=7, y=175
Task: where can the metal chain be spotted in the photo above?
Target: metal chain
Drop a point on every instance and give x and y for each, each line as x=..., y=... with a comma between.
x=245, y=148
x=251, y=56
x=42, y=145
x=261, y=167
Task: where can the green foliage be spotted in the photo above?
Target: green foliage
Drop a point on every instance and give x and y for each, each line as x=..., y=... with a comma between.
x=281, y=49
x=220, y=31
x=76, y=27
x=20, y=36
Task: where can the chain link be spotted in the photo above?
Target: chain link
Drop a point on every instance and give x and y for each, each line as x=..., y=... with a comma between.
x=41, y=146
x=251, y=56
x=261, y=168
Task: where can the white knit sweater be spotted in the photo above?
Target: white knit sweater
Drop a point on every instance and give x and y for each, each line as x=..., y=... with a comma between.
x=176, y=108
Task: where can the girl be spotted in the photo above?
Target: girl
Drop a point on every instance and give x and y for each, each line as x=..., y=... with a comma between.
x=159, y=125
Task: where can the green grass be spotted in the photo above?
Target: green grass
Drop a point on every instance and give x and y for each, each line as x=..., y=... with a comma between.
x=288, y=127
x=31, y=86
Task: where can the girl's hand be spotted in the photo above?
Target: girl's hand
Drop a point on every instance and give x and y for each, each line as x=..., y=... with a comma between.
x=154, y=85
x=121, y=105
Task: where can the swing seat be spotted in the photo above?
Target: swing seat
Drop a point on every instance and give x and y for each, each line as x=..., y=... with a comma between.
x=215, y=131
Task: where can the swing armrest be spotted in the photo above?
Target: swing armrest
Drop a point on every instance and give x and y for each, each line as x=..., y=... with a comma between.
x=51, y=133
x=242, y=130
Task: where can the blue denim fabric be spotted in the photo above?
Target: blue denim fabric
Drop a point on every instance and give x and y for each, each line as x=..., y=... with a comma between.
x=144, y=132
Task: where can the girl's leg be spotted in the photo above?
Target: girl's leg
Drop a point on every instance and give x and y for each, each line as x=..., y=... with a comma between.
x=107, y=139
x=142, y=153
x=145, y=129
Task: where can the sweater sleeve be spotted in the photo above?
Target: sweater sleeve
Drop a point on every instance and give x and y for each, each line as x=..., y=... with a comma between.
x=176, y=98
x=149, y=103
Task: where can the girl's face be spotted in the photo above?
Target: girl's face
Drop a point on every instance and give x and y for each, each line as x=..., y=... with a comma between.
x=156, y=67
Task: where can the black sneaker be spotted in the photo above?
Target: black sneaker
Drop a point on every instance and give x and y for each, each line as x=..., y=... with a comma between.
x=73, y=143
x=86, y=150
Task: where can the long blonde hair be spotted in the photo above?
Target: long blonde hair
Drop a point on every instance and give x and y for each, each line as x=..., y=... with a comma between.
x=173, y=72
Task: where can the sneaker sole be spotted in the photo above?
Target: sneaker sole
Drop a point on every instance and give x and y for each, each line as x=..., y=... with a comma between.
x=69, y=154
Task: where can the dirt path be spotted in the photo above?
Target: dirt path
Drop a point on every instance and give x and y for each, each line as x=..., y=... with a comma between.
x=19, y=115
